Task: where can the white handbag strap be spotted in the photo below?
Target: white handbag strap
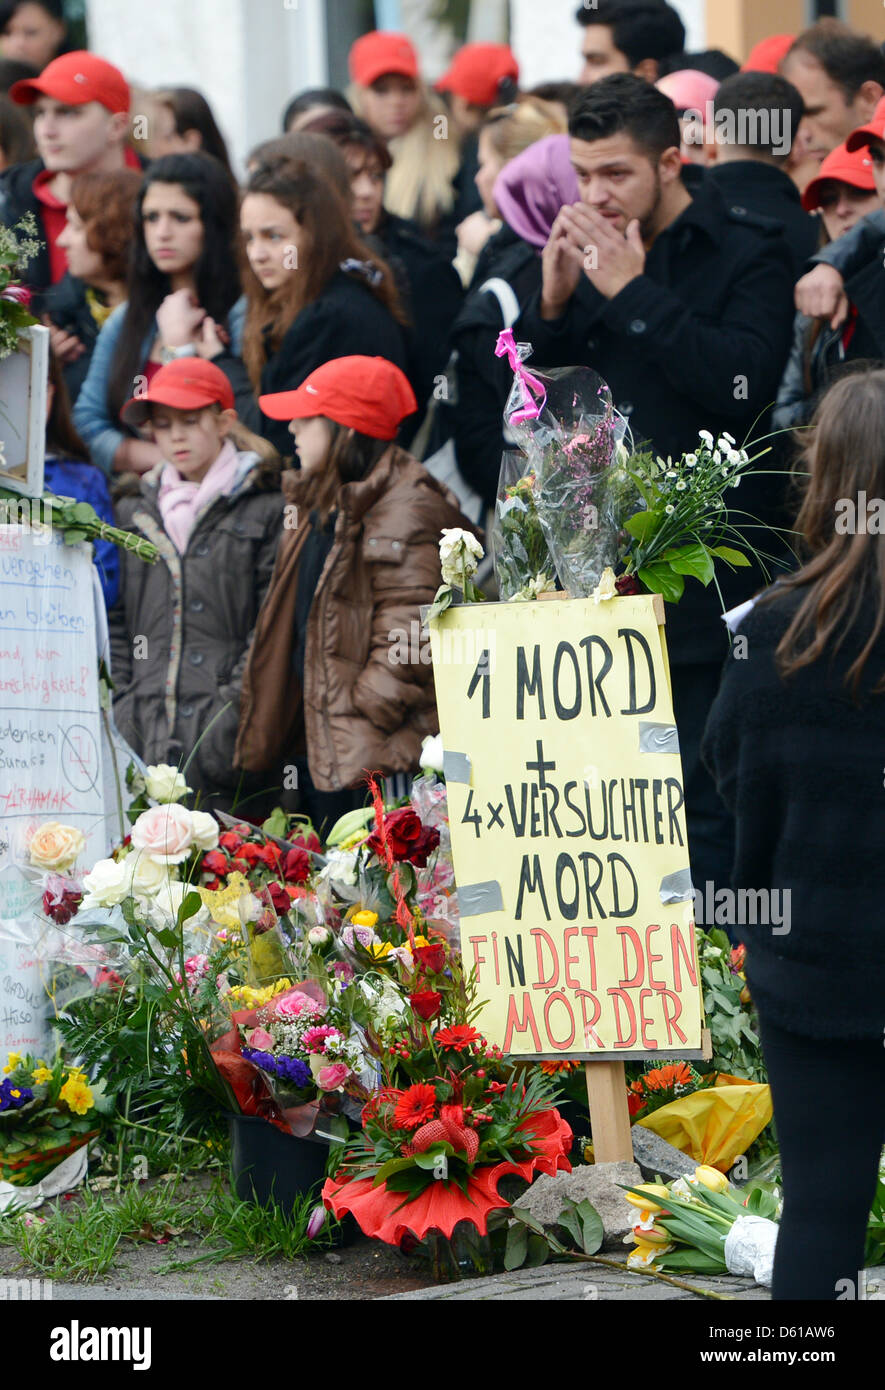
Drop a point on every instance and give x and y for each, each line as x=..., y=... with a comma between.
x=506, y=298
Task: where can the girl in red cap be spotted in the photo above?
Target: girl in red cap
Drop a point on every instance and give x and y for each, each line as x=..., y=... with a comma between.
x=181, y=627
x=183, y=300
x=314, y=290
x=388, y=93
x=338, y=679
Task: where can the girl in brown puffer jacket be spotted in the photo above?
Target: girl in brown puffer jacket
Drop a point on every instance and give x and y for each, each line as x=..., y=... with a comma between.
x=338, y=680
x=180, y=629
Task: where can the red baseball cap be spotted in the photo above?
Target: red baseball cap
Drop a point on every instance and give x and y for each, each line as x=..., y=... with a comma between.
x=854, y=167
x=188, y=383
x=477, y=71
x=860, y=138
x=76, y=78
x=368, y=394
x=378, y=53
x=768, y=54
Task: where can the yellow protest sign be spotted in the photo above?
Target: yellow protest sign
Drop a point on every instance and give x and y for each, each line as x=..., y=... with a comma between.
x=568, y=826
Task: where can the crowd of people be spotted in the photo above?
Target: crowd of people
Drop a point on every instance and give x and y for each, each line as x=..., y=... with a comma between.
x=248, y=374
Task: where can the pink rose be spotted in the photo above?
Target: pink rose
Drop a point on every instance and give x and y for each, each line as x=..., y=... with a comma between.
x=165, y=833
x=333, y=1076
x=261, y=1040
x=292, y=1004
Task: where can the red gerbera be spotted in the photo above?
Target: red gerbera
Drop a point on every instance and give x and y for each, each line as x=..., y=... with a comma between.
x=416, y=1107
x=457, y=1037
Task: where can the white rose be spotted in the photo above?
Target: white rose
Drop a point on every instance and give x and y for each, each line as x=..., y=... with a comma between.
x=106, y=884
x=165, y=832
x=318, y=936
x=432, y=753
x=459, y=555
x=144, y=876
x=205, y=830
x=165, y=783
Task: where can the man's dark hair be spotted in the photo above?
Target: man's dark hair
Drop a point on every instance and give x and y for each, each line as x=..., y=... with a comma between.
x=566, y=93
x=623, y=102
x=712, y=61
x=849, y=59
x=314, y=96
x=762, y=92
x=640, y=28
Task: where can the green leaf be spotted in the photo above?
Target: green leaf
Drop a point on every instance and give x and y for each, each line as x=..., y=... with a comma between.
x=570, y=1221
x=694, y=560
x=730, y=555
x=659, y=578
x=516, y=1248
x=393, y=1165
x=428, y=1159
x=189, y=907
x=642, y=525
x=538, y=1251
x=441, y=601
x=277, y=823
x=73, y=536
x=592, y=1229
x=81, y=511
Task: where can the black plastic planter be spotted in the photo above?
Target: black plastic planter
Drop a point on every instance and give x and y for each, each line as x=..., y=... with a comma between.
x=268, y=1165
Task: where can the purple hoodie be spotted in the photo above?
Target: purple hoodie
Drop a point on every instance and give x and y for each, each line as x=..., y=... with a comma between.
x=531, y=189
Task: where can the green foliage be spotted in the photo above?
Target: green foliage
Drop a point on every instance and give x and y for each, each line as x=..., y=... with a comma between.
x=732, y=1023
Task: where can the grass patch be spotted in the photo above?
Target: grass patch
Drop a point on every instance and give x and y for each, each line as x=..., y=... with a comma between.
x=77, y=1241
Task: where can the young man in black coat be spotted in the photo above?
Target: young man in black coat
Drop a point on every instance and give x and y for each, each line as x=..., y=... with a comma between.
x=685, y=308
x=755, y=119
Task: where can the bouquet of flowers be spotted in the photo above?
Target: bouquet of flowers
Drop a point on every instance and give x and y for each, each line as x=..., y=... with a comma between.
x=18, y=246
x=523, y=564
x=449, y=1120
x=45, y=1114
x=659, y=1086
x=701, y=1223
x=574, y=440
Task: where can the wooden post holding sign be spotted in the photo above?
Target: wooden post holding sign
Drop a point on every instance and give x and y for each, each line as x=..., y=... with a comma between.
x=568, y=836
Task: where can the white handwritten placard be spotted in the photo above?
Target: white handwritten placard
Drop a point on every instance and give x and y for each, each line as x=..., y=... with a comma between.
x=50, y=733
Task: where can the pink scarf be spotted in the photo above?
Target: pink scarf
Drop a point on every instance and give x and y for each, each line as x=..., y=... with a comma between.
x=181, y=502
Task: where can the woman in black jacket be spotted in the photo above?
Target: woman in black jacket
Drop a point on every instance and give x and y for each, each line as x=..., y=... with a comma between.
x=795, y=742
x=314, y=291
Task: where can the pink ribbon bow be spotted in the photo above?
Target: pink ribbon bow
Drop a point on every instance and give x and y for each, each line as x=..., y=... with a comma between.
x=529, y=385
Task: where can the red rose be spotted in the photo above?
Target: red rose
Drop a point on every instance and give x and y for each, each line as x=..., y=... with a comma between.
x=276, y=894
x=213, y=884
x=271, y=856
x=108, y=978
x=407, y=837
x=214, y=862
x=432, y=958
x=230, y=840
x=238, y=866
x=627, y=584
x=61, y=910
x=425, y=1003
x=296, y=866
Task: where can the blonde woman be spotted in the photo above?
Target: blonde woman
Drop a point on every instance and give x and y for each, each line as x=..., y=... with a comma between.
x=506, y=132
x=388, y=94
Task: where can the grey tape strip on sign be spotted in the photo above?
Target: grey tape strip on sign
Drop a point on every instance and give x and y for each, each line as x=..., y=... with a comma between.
x=676, y=888
x=476, y=898
x=456, y=767
x=658, y=738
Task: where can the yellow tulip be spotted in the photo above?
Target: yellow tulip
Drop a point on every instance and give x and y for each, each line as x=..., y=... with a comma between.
x=711, y=1178
x=654, y=1189
x=651, y=1235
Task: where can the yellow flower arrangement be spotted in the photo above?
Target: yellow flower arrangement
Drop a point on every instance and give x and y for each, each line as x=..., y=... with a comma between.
x=42, y=1075
x=13, y=1060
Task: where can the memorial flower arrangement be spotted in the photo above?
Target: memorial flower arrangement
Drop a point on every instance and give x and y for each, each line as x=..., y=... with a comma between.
x=18, y=246
x=659, y=1086
x=701, y=1223
x=449, y=1120
x=523, y=564
x=46, y=1112
x=602, y=504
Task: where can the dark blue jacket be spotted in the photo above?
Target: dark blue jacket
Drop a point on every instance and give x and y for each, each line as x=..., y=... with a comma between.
x=85, y=482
